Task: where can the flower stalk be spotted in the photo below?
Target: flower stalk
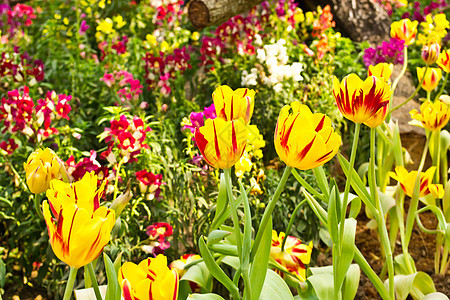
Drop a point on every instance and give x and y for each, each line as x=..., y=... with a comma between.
x=70, y=283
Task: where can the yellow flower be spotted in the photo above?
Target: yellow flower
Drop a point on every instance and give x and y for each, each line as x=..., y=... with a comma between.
x=381, y=70
x=232, y=105
x=41, y=167
x=360, y=100
x=243, y=165
x=119, y=21
x=304, y=140
x=404, y=30
x=433, y=116
x=434, y=29
x=195, y=36
x=221, y=142
x=165, y=46
x=432, y=78
x=151, y=39
x=295, y=255
x=150, y=280
x=256, y=188
x=443, y=61
x=179, y=264
x=430, y=53
x=57, y=16
x=407, y=181
x=78, y=227
x=106, y=26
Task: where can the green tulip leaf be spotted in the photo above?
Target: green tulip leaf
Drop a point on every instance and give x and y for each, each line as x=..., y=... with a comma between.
x=333, y=215
x=216, y=236
x=275, y=287
x=417, y=284
x=113, y=289
x=199, y=274
x=232, y=261
x=347, y=250
x=351, y=282
x=258, y=268
x=222, y=204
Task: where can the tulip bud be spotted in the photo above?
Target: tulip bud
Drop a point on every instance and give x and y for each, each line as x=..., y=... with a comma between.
x=119, y=204
x=430, y=53
x=41, y=167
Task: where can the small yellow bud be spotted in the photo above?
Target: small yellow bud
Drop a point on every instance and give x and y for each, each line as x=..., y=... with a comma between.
x=41, y=167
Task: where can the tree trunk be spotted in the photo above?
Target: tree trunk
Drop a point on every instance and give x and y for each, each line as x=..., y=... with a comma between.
x=361, y=20
x=203, y=13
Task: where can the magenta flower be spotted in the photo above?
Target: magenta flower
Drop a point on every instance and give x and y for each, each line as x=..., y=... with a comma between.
x=83, y=27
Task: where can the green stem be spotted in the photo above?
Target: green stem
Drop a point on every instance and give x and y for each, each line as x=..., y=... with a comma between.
x=437, y=252
x=70, y=282
x=413, y=94
x=37, y=205
x=442, y=88
x=405, y=64
x=370, y=273
x=306, y=185
x=380, y=216
x=94, y=281
x=415, y=198
x=437, y=153
x=291, y=222
x=348, y=182
x=399, y=207
x=444, y=263
x=268, y=212
x=428, y=94
x=116, y=190
x=237, y=230
x=24, y=186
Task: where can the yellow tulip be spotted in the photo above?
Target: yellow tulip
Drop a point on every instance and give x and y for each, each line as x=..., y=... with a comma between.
x=232, y=105
x=305, y=140
x=179, y=264
x=430, y=53
x=404, y=30
x=41, y=167
x=433, y=116
x=295, y=255
x=221, y=142
x=381, y=70
x=443, y=61
x=151, y=279
x=407, y=181
x=79, y=228
x=432, y=78
x=360, y=100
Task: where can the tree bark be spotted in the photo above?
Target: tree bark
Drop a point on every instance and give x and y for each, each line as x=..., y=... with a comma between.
x=361, y=20
x=203, y=13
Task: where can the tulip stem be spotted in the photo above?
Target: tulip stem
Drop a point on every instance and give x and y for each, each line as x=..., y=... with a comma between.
x=412, y=95
x=442, y=88
x=343, y=208
x=402, y=72
x=268, y=212
x=237, y=230
x=70, y=282
x=37, y=205
x=291, y=222
x=380, y=215
x=94, y=281
x=415, y=198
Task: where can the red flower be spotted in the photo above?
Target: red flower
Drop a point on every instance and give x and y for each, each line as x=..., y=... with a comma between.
x=9, y=146
x=159, y=231
x=126, y=140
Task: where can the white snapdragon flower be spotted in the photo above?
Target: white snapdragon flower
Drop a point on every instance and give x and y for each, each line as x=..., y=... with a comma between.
x=278, y=87
x=261, y=55
x=249, y=78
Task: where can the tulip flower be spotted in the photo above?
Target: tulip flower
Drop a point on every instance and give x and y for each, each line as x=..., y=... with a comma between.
x=360, y=100
x=430, y=53
x=407, y=181
x=305, y=140
x=151, y=279
x=184, y=260
x=432, y=78
x=443, y=61
x=232, y=105
x=41, y=167
x=295, y=255
x=221, y=142
x=381, y=70
x=432, y=116
x=79, y=228
x=404, y=30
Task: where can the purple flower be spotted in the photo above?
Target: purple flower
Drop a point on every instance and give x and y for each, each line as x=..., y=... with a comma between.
x=83, y=27
x=210, y=112
x=197, y=119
